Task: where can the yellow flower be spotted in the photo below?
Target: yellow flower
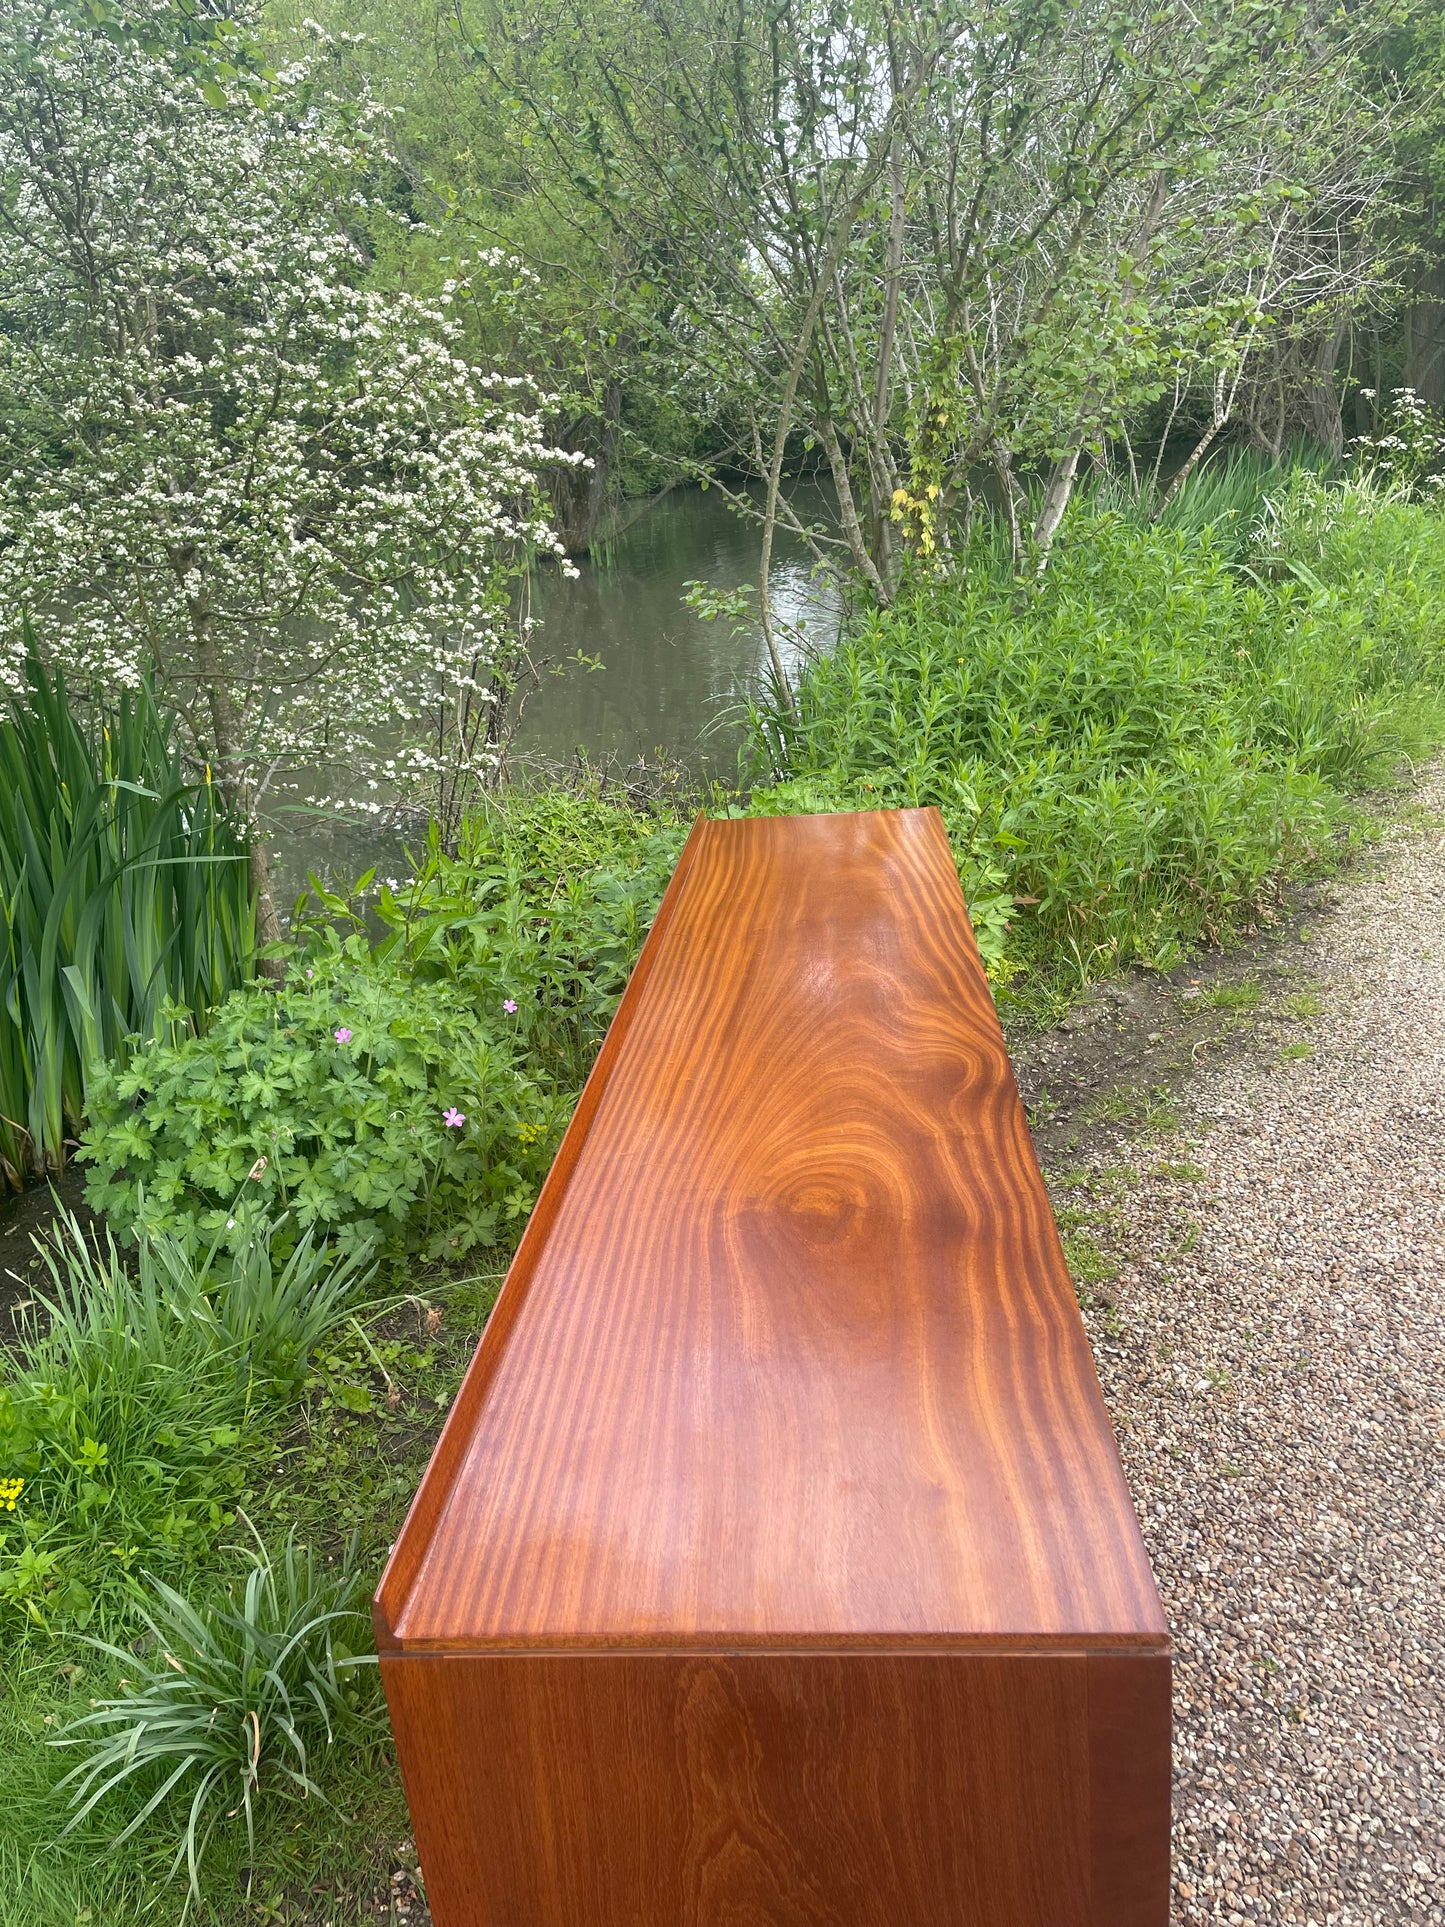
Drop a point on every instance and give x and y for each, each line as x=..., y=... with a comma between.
x=10, y=1490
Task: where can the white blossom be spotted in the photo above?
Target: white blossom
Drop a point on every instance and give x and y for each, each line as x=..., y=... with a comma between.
x=223, y=454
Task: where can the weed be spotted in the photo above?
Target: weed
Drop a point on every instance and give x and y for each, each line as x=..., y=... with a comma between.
x=1245, y=995
x=1150, y=1112
x=1088, y=1262
x=1181, y=1173
x=1119, y=1106
x=1292, y=1053
x=1304, y=1003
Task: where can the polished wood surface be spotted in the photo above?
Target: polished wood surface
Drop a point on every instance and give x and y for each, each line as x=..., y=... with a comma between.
x=787, y=1790
x=775, y=1567
x=790, y=1353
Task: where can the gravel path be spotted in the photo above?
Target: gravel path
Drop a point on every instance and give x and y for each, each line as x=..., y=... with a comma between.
x=1274, y=1356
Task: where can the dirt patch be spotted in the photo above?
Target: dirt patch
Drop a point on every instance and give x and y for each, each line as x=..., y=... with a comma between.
x=1114, y=1066
x=24, y=1217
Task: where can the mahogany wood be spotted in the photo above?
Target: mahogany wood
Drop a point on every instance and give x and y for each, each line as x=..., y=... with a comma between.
x=776, y=1564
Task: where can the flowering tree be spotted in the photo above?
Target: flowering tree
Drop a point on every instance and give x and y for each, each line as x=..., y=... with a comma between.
x=224, y=457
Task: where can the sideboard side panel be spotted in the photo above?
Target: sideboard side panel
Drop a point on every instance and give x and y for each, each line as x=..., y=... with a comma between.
x=1130, y=1731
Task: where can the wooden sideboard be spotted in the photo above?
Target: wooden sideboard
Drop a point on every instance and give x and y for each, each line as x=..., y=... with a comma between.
x=775, y=1567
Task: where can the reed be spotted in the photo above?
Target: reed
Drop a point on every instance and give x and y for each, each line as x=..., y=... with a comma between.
x=125, y=903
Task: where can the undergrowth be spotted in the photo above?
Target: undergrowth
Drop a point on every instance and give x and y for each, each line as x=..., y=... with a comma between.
x=1136, y=752
x=1132, y=754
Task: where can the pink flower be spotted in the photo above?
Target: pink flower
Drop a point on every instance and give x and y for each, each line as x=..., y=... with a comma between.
x=454, y=1119
x=343, y=1036
x=509, y=1004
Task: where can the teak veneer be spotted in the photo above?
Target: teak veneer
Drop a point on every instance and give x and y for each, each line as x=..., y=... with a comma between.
x=775, y=1567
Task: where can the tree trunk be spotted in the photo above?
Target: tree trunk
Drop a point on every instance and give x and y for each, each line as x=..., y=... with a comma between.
x=1003, y=469
x=879, y=486
x=580, y=495
x=232, y=773
x=863, y=562
x=1059, y=488
x=1322, y=415
x=1425, y=337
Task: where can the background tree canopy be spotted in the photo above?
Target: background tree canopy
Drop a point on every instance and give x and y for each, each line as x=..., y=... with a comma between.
x=937, y=250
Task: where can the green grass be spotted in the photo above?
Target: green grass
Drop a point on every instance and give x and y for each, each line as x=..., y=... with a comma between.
x=343, y=1464
x=227, y=1698
x=1247, y=994
x=1088, y=1262
x=1303, y=1003
x=1148, y=1112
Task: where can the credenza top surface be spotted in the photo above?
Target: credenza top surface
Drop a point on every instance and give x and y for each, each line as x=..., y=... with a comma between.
x=790, y=1353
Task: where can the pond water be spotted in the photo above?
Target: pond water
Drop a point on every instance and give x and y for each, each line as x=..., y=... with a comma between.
x=669, y=682
x=667, y=685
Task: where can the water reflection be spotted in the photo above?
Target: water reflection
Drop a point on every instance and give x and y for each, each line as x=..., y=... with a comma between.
x=668, y=678
x=668, y=684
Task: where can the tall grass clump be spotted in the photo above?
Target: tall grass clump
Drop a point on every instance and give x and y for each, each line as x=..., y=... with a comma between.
x=1141, y=745
x=128, y=1409
x=125, y=903
x=237, y=1695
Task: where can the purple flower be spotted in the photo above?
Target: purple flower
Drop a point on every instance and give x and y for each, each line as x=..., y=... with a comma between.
x=454, y=1119
x=509, y=1004
x=343, y=1036
x=311, y=973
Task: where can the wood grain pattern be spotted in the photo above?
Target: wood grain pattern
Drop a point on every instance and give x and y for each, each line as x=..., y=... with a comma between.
x=753, y=1790
x=1130, y=1722
x=790, y=1355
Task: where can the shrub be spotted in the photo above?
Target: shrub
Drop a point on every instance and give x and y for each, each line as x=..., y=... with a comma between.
x=335, y=1090
x=1140, y=746
x=483, y=1003
x=124, y=1423
x=550, y=894
x=241, y=1695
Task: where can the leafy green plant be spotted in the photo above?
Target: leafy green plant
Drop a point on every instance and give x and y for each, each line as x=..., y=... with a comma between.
x=406, y=1096
x=1131, y=753
x=378, y=1107
x=125, y=1418
x=125, y=908
x=242, y=1694
x=549, y=895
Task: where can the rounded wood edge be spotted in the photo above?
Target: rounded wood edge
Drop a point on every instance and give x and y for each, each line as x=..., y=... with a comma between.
x=801, y=1646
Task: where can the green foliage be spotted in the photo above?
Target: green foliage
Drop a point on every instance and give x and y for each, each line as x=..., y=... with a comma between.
x=1247, y=994
x=240, y=1696
x=124, y=903
x=334, y=1089
x=548, y=900
x=328, y=1097
x=123, y=1420
x=1142, y=744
